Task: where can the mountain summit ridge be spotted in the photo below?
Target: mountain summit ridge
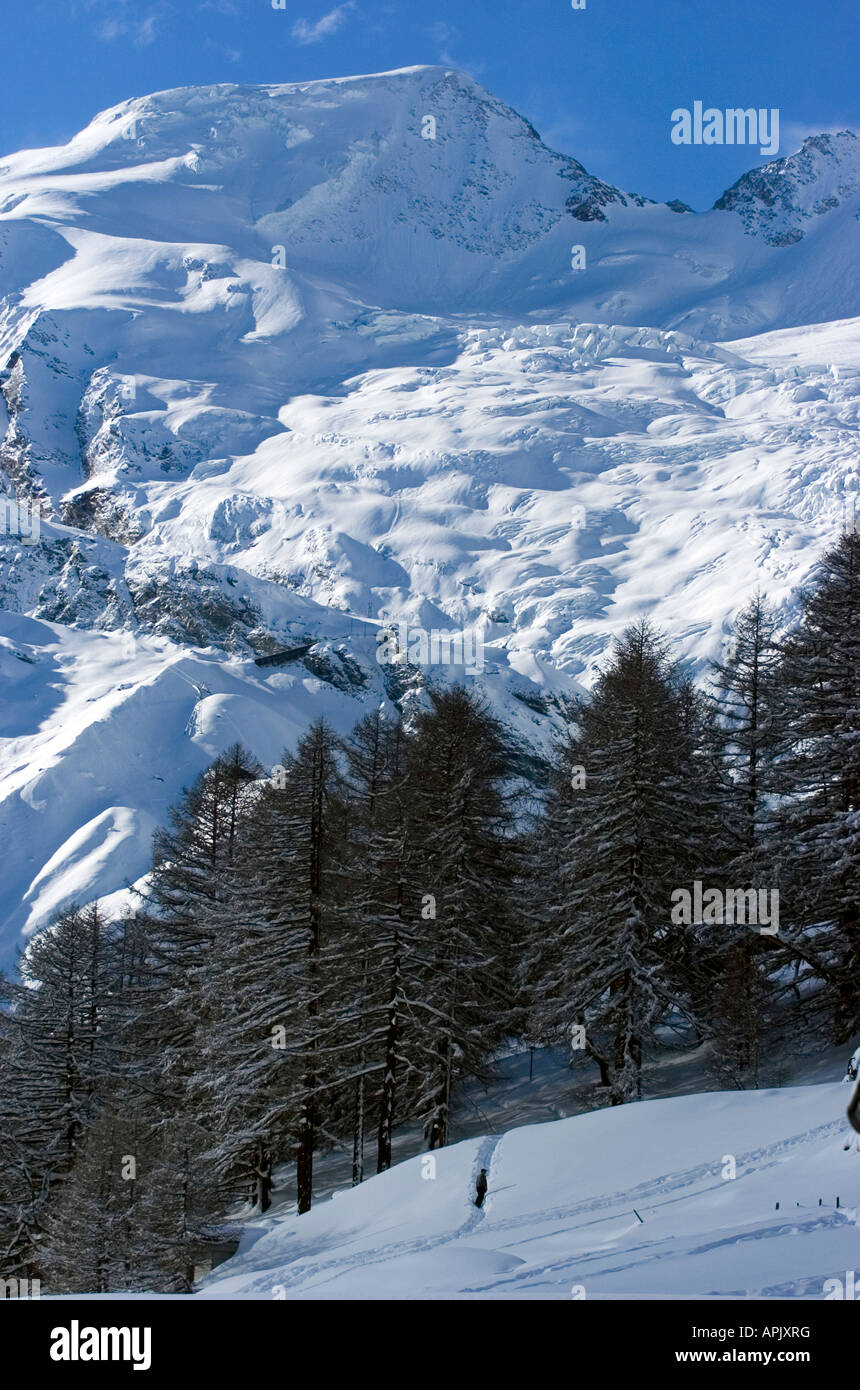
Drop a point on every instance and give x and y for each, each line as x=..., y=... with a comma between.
x=775, y=200
x=138, y=120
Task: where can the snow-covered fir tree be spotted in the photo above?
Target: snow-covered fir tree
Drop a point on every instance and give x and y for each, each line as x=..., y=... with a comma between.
x=632, y=832
x=818, y=846
x=461, y=897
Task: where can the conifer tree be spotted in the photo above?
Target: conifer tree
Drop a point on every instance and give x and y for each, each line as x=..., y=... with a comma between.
x=745, y=699
x=466, y=863
x=62, y=1054
x=747, y=729
x=125, y=1219
x=186, y=905
x=268, y=1056
x=632, y=835
x=819, y=780
x=378, y=875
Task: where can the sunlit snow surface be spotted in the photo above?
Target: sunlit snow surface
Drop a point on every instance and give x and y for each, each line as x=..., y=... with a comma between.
x=424, y=414
x=560, y=1217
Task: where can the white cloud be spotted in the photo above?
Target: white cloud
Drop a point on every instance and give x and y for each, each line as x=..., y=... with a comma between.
x=305, y=32
x=127, y=21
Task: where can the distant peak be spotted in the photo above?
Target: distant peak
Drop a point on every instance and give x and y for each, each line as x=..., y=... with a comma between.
x=782, y=200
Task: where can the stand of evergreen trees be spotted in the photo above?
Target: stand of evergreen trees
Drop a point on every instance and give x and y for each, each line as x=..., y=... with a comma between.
x=332, y=951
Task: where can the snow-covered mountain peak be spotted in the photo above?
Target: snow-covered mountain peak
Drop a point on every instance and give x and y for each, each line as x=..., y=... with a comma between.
x=326, y=163
x=782, y=200
x=412, y=190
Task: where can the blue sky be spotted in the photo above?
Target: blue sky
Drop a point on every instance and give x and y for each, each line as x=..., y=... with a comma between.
x=598, y=83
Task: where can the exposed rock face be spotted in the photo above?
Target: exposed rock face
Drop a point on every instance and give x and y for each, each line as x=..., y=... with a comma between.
x=780, y=201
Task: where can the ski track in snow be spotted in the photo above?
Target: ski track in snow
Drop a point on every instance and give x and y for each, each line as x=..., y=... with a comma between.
x=752, y=1162
x=728, y=1234
x=485, y=1159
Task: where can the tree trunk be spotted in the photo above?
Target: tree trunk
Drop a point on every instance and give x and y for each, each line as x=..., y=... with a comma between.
x=307, y=1129
x=305, y=1161
x=392, y=1040
x=438, y=1131
x=358, y=1129
x=262, y=1176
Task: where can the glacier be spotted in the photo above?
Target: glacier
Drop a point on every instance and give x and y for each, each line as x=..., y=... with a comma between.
x=278, y=369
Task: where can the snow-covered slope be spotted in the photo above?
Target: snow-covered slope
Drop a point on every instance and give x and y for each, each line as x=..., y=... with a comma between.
x=636, y=1201
x=781, y=201
x=284, y=363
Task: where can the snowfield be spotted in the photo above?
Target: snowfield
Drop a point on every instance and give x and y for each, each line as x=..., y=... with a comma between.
x=560, y=1218
x=278, y=370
